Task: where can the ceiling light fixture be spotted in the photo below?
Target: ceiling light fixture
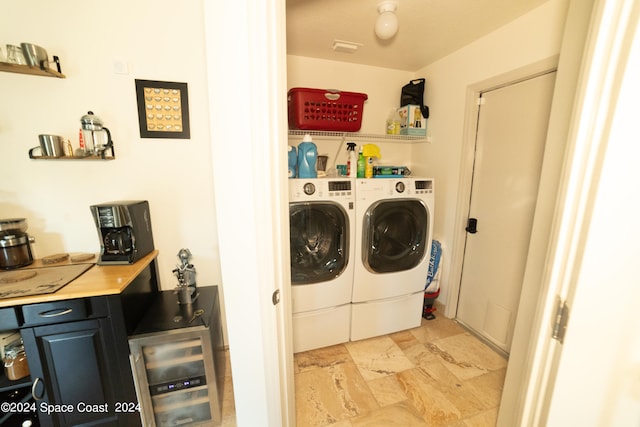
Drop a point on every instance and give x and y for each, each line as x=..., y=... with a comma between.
x=387, y=22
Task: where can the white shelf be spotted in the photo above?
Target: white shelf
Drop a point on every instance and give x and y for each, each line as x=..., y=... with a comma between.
x=359, y=136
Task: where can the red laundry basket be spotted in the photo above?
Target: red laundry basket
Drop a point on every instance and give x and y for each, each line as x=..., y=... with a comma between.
x=325, y=109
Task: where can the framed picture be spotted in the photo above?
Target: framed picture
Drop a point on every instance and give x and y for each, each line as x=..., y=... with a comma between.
x=163, y=109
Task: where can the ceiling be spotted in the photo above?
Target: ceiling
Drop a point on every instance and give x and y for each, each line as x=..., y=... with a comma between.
x=428, y=29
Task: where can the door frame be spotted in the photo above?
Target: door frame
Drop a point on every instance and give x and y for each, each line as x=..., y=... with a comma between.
x=259, y=333
x=467, y=159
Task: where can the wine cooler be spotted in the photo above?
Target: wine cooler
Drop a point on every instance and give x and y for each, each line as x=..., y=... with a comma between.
x=178, y=362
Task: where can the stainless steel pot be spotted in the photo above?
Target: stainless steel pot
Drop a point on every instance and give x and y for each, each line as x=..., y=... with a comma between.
x=19, y=224
x=15, y=249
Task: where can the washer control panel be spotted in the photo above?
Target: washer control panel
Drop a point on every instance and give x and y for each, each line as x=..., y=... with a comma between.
x=321, y=189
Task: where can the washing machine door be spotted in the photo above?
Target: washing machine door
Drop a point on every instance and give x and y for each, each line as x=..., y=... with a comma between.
x=319, y=241
x=395, y=235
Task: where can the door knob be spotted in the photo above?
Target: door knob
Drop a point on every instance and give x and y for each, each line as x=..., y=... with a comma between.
x=472, y=226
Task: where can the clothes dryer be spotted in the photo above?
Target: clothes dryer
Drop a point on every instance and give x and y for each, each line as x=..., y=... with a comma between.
x=394, y=227
x=322, y=243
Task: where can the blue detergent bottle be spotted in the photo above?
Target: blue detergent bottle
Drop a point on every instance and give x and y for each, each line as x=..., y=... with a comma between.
x=293, y=162
x=307, y=157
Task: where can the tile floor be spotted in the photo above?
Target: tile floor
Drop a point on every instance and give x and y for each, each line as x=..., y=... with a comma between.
x=228, y=403
x=436, y=375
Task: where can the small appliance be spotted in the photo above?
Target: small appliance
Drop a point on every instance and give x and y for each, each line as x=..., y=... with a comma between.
x=15, y=248
x=124, y=230
x=178, y=361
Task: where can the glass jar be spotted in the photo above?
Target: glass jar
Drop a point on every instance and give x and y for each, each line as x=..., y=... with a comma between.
x=15, y=363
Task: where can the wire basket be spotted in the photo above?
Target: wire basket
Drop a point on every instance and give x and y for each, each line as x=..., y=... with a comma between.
x=325, y=109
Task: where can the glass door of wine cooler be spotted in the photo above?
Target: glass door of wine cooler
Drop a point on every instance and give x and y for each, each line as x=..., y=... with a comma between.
x=175, y=379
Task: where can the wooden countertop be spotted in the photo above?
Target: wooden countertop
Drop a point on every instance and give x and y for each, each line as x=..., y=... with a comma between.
x=99, y=280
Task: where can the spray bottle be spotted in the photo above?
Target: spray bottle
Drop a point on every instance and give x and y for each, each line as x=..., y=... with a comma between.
x=352, y=160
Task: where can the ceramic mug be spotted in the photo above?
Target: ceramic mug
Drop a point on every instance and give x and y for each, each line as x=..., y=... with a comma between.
x=52, y=146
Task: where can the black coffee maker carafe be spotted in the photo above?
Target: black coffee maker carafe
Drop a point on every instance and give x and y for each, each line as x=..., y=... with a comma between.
x=124, y=229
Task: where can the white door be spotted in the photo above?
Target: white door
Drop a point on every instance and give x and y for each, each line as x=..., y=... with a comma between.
x=511, y=133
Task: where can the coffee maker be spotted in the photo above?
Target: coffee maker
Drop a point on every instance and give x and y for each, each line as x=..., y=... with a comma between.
x=124, y=230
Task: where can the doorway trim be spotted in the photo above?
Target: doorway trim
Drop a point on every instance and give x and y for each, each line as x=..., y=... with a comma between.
x=467, y=159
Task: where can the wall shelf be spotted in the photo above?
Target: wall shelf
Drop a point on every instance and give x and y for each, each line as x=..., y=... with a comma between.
x=28, y=69
x=356, y=136
x=106, y=154
x=72, y=158
x=6, y=384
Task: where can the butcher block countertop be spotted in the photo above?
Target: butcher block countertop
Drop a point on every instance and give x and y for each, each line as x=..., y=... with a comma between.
x=99, y=280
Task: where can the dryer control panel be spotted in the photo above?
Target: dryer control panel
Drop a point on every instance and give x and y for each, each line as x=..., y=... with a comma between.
x=424, y=186
x=413, y=187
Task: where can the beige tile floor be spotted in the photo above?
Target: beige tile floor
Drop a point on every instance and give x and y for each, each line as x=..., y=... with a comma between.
x=436, y=375
x=228, y=403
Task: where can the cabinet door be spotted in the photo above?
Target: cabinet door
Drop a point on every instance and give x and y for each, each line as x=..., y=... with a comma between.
x=73, y=378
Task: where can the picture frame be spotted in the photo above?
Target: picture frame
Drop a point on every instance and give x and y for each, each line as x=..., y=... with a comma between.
x=163, y=109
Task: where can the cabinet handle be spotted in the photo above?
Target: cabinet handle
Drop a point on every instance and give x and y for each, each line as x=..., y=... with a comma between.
x=33, y=389
x=55, y=313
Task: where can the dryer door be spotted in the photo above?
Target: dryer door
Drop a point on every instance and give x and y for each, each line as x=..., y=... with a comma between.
x=395, y=235
x=319, y=241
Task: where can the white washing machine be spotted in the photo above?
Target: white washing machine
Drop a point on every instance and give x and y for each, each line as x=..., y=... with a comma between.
x=322, y=243
x=394, y=228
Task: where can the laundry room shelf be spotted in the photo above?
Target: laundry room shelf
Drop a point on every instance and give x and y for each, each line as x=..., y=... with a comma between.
x=356, y=136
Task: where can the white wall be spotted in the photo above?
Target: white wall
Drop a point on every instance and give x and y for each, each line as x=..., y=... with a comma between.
x=531, y=38
x=173, y=174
